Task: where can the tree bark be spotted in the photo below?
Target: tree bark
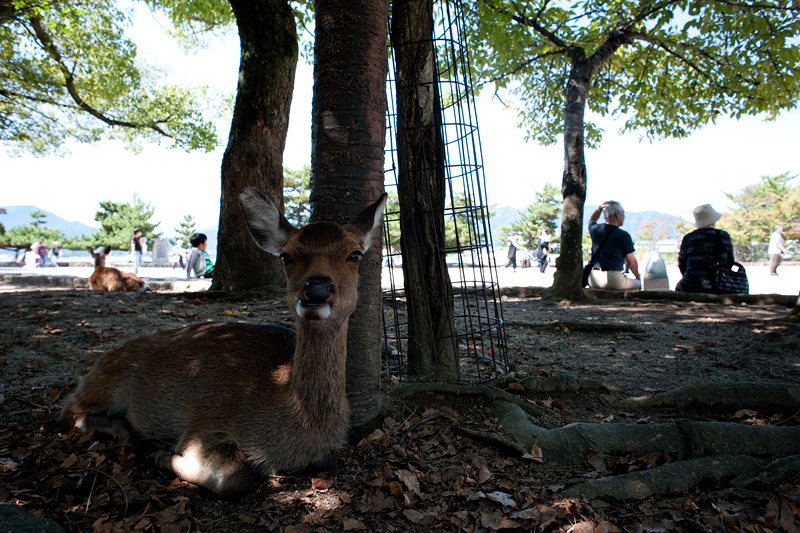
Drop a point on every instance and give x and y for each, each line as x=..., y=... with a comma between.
x=433, y=345
x=347, y=135
x=569, y=265
x=254, y=155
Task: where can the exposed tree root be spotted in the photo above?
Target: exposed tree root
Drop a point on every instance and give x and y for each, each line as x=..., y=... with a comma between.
x=733, y=395
x=488, y=393
x=570, y=444
x=590, y=327
x=751, y=299
x=666, y=479
x=783, y=470
x=566, y=383
x=712, y=451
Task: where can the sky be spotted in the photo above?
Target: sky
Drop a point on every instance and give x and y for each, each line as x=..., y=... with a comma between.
x=669, y=176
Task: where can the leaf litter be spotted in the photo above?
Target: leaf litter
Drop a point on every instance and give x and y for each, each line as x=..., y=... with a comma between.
x=417, y=472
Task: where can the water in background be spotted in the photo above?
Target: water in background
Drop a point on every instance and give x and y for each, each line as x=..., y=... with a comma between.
x=116, y=256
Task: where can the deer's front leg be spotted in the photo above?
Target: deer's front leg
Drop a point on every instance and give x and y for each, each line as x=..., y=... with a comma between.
x=215, y=463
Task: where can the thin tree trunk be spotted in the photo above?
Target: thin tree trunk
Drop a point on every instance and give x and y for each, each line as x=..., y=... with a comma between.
x=432, y=349
x=347, y=135
x=254, y=155
x=569, y=265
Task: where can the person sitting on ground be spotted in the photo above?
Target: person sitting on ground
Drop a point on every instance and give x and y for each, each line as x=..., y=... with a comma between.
x=199, y=261
x=702, y=250
x=616, y=252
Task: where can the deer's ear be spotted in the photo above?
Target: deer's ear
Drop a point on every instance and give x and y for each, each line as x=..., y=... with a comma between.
x=267, y=225
x=368, y=222
x=91, y=250
x=106, y=250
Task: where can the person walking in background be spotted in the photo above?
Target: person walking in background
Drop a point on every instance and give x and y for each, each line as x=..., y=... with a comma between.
x=199, y=261
x=41, y=252
x=543, y=248
x=55, y=252
x=177, y=255
x=701, y=251
x=616, y=250
x=35, y=253
x=136, y=249
x=776, y=248
x=513, y=246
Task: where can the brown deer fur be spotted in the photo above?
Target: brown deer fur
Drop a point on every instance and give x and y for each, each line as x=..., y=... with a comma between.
x=110, y=279
x=242, y=400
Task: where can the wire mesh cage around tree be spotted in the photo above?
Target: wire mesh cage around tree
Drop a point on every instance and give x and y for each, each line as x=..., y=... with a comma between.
x=442, y=313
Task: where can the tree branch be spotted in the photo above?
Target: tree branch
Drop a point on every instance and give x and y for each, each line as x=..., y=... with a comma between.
x=794, y=8
x=522, y=65
x=69, y=80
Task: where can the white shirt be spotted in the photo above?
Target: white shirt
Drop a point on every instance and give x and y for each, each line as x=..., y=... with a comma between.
x=774, y=240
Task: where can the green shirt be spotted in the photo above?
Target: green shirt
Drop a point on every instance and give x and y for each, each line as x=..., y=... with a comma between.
x=209, y=264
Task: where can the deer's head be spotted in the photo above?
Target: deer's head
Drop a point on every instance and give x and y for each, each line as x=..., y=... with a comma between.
x=99, y=257
x=321, y=259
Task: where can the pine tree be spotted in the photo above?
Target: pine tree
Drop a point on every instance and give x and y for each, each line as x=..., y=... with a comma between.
x=185, y=230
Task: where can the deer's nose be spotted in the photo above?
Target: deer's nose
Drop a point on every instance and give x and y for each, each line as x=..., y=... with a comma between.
x=318, y=290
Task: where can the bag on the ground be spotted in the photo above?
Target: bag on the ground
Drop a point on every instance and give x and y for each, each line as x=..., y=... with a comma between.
x=587, y=271
x=729, y=281
x=654, y=271
x=654, y=265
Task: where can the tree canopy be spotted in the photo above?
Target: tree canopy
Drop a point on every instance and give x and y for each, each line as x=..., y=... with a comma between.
x=296, y=190
x=542, y=213
x=775, y=200
x=185, y=230
x=662, y=67
x=35, y=231
x=118, y=220
x=70, y=73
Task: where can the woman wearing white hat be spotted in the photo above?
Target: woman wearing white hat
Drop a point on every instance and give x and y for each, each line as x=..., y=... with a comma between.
x=702, y=250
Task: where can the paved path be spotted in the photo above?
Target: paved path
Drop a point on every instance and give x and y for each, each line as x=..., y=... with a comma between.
x=168, y=279
x=787, y=282
x=157, y=278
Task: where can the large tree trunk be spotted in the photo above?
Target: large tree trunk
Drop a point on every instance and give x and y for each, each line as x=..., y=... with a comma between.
x=432, y=347
x=347, y=134
x=254, y=155
x=569, y=265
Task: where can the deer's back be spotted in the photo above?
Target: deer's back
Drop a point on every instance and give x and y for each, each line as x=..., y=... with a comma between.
x=167, y=383
x=111, y=279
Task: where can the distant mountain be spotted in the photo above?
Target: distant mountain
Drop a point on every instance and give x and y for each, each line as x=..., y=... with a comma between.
x=506, y=215
x=19, y=215
x=635, y=220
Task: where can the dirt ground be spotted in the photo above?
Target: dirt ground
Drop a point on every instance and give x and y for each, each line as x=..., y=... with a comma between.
x=427, y=467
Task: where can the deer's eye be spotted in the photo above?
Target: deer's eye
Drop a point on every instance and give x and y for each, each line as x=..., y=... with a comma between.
x=355, y=257
x=287, y=259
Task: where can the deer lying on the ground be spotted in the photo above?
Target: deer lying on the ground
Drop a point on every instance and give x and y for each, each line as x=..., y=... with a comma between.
x=110, y=279
x=240, y=400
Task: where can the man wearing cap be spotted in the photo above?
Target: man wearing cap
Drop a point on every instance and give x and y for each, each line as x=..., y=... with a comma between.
x=617, y=250
x=701, y=251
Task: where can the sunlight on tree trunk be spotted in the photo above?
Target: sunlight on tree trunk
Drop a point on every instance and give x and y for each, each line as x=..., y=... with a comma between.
x=254, y=156
x=347, y=135
x=566, y=281
x=433, y=351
